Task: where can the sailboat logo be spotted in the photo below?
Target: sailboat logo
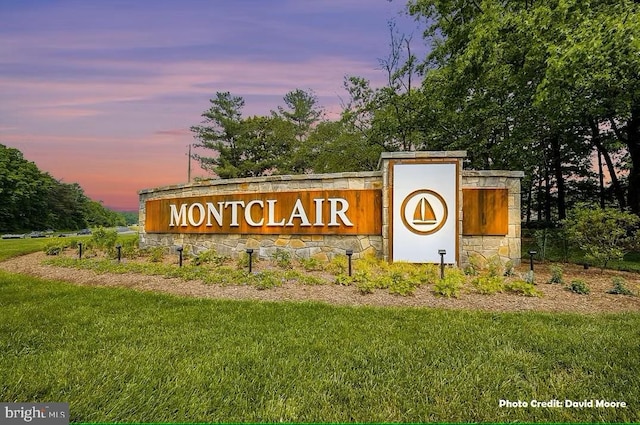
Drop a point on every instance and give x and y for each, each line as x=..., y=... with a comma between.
x=424, y=212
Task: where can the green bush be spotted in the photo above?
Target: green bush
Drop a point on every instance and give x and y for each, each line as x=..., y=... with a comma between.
x=579, y=286
x=311, y=264
x=267, y=280
x=619, y=287
x=476, y=264
x=104, y=239
x=603, y=234
x=509, y=268
x=452, y=283
x=522, y=287
x=282, y=259
x=488, y=284
x=494, y=266
x=209, y=256
x=54, y=248
x=155, y=253
x=556, y=274
x=338, y=265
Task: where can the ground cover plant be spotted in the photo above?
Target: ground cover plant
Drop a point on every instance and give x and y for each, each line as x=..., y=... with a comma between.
x=118, y=355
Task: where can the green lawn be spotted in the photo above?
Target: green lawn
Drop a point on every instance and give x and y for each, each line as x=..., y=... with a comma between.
x=118, y=355
x=13, y=247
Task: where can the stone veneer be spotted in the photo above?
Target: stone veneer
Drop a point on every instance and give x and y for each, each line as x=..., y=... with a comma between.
x=325, y=247
x=507, y=247
x=322, y=247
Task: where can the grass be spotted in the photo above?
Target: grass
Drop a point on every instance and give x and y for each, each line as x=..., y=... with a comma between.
x=10, y=248
x=118, y=355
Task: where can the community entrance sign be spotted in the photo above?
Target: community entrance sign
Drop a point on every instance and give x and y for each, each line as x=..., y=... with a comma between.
x=425, y=204
x=419, y=207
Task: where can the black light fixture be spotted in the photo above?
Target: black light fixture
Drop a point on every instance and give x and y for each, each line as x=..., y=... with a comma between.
x=119, y=248
x=442, y=253
x=531, y=254
x=80, y=250
x=349, y=254
x=250, y=254
x=179, y=249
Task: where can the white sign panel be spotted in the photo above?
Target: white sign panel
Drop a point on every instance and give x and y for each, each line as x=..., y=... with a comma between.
x=424, y=212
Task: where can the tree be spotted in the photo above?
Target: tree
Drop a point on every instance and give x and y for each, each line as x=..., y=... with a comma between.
x=31, y=199
x=531, y=77
x=219, y=132
x=302, y=110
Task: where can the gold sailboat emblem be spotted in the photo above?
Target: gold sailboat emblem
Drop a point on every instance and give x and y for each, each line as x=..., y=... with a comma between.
x=424, y=221
x=423, y=214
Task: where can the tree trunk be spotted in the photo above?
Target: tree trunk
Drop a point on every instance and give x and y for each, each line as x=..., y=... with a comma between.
x=557, y=168
x=617, y=187
x=633, y=144
x=601, y=179
x=547, y=195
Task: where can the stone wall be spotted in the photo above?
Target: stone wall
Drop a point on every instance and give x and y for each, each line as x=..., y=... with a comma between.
x=325, y=247
x=506, y=247
x=322, y=247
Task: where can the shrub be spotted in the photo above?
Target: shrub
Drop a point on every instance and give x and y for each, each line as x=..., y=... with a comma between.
x=209, y=256
x=476, y=264
x=556, y=274
x=311, y=264
x=400, y=283
x=451, y=284
x=53, y=248
x=494, y=266
x=104, y=239
x=603, y=234
x=344, y=279
x=522, y=288
x=282, y=259
x=156, y=254
x=338, y=265
x=579, y=286
x=488, y=284
x=267, y=280
x=243, y=260
x=619, y=287
x=509, y=268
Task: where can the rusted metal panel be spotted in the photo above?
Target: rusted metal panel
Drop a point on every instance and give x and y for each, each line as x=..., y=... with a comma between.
x=346, y=212
x=485, y=212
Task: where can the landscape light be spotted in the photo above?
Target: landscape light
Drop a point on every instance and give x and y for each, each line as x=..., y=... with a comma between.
x=531, y=254
x=349, y=254
x=179, y=249
x=250, y=253
x=119, y=248
x=442, y=253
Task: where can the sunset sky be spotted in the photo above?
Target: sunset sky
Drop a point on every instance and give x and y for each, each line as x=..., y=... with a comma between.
x=103, y=92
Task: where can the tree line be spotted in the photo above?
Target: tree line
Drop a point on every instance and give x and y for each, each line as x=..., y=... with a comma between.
x=551, y=87
x=33, y=200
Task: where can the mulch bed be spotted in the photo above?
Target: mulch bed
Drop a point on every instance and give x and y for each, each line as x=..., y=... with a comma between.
x=556, y=298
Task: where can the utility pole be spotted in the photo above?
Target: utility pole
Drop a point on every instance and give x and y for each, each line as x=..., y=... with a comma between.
x=189, y=166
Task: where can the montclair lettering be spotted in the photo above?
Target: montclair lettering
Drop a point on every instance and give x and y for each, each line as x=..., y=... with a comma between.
x=258, y=213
